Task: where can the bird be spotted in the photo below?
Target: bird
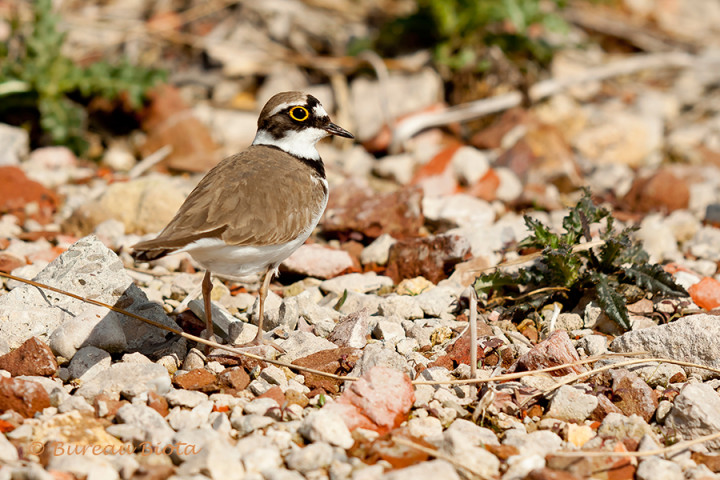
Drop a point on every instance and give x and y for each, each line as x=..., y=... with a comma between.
x=255, y=208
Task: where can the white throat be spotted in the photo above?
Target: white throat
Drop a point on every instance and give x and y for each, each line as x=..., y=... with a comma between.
x=298, y=143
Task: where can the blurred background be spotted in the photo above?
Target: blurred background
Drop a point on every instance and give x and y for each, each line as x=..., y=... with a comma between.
x=467, y=113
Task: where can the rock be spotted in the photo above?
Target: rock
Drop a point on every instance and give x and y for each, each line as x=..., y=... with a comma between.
x=339, y=361
x=696, y=412
x=555, y=350
x=571, y=404
x=356, y=282
x=379, y=400
x=8, y=452
x=437, y=301
x=325, y=426
x=433, y=469
x=375, y=354
x=14, y=144
x=185, y=398
x=168, y=121
x=706, y=293
x=351, y=331
x=312, y=457
x=354, y=209
x=378, y=251
x=539, y=442
x=88, y=362
x=390, y=331
x=633, y=394
x=459, y=210
x=426, y=86
x=615, y=136
x=24, y=397
x=31, y=358
x=151, y=424
x=690, y=339
x=263, y=459
x=437, y=176
x=199, y=379
x=143, y=205
x=662, y=191
x=81, y=466
x=90, y=269
x=427, y=428
x=318, y=261
x=19, y=196
x=128, y=379
x=620, y=427
x=431, y=257
x=236, y=378
x=401, y=306
x=300, y=344
x=217, y=460
x=655, y=468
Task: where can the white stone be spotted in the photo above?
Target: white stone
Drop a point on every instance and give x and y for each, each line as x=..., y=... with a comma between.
x=571, y=404
x=378, y=251
x=322, y=426
x=696, y=412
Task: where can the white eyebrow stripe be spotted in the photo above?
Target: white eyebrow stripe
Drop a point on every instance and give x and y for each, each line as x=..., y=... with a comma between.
x=319, y=111
x=285, y=105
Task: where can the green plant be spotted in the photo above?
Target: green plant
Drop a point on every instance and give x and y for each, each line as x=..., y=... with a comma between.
x=459, y=31
x=620, y=262
x=35, y=74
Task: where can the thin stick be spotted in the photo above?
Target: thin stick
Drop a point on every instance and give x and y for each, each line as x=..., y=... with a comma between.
x=176, y=331
x=644, y=453
x=619, y=364
x=472, y=110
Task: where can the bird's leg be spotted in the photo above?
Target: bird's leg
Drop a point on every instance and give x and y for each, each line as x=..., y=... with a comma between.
x=206, y=293
x=262, y=294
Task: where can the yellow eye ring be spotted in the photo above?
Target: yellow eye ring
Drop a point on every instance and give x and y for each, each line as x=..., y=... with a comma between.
x=303, y=115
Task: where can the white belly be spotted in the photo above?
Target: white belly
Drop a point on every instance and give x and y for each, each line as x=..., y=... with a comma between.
x=240, y=261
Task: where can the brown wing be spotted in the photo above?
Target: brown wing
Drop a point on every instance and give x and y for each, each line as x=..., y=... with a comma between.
x=262, y=196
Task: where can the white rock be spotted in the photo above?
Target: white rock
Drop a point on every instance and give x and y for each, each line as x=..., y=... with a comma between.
x=322, y=426
x=312, y=457
x=539, y=442
x=571, y=404
x=218, y=460
x=696, y=412
x=356, y=282
x=519, y=466
x=402, y=306
x=428, y=428
x=90, y=269
x=185, y=398
x=378, y=251
x=301, y=344
x=262, y=459
x=432, y=470
x=14, y=144
x=154, y=427
x=470, y=164
x=694, y=339
x=654, y=468
x=128, y=379
x=8, y=452
x=460, y=209
x=366, y=95
x=84, y=466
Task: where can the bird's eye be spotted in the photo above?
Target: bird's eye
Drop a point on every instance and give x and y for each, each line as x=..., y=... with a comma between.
x=299, y=113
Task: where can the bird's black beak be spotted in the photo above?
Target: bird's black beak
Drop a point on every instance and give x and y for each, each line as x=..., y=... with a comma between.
x=333, y=129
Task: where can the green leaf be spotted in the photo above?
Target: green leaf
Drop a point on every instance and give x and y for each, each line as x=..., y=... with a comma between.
x=611, y=301
x=653, y=277
x=540, y=236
